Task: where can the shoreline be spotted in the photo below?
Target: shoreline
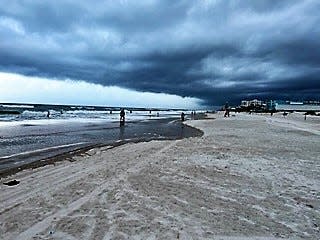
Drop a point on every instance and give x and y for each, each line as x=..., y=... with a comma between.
x=70, y=155
x=245, y=178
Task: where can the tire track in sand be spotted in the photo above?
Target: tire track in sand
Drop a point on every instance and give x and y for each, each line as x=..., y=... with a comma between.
x=45, y=223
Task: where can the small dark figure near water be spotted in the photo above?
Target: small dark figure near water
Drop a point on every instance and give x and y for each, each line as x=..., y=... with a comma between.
x=182, y=116
x=227, y=110
x=48, y=114
x=285, y=114
x=110, y=112
x=122, y=117
x=193, y=114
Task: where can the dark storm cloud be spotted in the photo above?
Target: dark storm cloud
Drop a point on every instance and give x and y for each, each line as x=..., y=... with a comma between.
x=215, y=50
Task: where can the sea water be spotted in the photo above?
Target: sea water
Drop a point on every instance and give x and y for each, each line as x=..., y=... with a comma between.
x=31, y=135
x=23, y=113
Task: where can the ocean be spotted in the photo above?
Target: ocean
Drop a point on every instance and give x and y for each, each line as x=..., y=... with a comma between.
x=28, y=134
x=10, y=112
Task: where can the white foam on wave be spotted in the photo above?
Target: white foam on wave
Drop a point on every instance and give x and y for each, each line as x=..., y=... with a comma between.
x=17, y=106
x=28, y=113
x=51, y=121
x=82, y=116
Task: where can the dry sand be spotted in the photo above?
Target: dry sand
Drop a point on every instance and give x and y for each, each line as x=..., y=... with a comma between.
x=250, y=176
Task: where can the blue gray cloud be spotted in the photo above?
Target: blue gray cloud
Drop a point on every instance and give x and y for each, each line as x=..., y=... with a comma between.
x=214, y=50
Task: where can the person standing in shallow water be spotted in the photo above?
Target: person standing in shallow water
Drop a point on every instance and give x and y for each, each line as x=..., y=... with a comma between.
x=227, y=110
x=122, y=117
x=182, y=116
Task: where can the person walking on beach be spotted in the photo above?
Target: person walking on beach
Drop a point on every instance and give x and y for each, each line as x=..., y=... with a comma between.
x=227, y=110
x=122, y=117
x=182, y=116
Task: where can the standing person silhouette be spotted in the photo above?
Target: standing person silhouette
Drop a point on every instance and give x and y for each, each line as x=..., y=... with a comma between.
x=227, y=110
x=122, y=117
x=182, y=116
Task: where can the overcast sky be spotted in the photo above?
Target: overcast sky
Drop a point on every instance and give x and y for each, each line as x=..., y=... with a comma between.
x=192, y=53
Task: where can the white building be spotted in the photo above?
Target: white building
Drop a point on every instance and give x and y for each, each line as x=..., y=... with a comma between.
x=244, y=103
x=253, y=103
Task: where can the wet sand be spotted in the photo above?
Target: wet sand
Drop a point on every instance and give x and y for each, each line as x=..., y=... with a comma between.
x=24, y=146
x=248, y=176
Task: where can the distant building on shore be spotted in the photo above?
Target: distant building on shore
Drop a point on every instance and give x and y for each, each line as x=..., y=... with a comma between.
x=251, y=103
x=279, y=105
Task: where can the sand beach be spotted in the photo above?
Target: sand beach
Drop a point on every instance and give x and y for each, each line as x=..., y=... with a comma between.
x=248, y=177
